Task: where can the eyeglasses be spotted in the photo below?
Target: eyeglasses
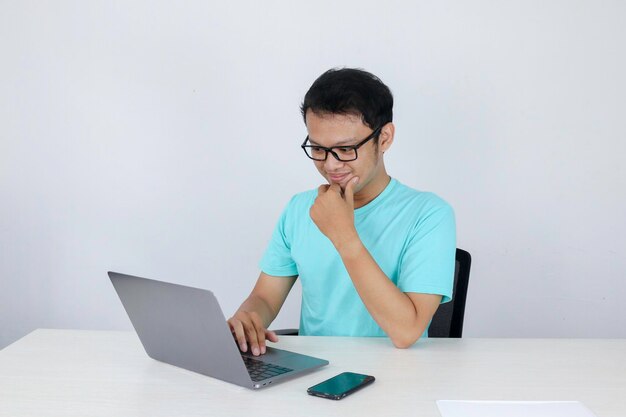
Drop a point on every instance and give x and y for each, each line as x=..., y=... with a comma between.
x=344, y=153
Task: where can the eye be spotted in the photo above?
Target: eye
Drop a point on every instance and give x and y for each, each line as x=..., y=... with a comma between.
x=317, y=149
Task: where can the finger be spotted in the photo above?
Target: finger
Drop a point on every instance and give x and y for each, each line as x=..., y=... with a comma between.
x=260, y=331
x=349, y=194
x=238, y=332
x=322, y=189
x=336, y=188
x=251, y=335
x=271, y=336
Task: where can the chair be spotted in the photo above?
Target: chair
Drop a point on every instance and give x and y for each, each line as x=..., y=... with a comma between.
x=448, y=319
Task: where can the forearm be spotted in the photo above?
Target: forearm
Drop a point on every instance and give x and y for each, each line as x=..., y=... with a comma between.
x=392, y=309
x=255, y=303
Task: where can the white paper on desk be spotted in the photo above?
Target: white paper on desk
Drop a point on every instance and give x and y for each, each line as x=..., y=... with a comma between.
x=513, y=409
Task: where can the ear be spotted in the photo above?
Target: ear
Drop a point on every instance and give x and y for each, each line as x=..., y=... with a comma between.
x=385, y=139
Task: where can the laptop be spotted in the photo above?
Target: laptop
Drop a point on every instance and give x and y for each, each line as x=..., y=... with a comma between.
x=185, y=327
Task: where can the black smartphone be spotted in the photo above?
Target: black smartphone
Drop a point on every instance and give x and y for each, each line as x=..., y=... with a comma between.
x=340, y=385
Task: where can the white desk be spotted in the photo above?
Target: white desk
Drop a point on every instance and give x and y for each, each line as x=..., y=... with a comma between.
x=95, y=373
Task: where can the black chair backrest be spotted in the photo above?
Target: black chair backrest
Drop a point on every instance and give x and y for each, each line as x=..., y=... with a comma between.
x=448, y=319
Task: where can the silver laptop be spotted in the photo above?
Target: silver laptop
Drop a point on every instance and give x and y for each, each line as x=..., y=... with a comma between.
x=185, y=327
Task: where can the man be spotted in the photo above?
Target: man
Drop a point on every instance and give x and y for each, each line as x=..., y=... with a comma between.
x=375, y=257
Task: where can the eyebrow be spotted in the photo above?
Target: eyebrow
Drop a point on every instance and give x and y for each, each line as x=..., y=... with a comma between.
x=345, y=142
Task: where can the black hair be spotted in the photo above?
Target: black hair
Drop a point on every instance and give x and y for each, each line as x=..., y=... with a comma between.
x=350, y=91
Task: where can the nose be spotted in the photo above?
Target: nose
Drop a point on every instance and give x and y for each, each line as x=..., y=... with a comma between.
x=331, y=163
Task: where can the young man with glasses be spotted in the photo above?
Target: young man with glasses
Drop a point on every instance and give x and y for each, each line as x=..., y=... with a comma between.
x=375, y=257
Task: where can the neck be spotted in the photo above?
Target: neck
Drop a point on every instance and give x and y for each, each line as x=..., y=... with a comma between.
x=371, y=191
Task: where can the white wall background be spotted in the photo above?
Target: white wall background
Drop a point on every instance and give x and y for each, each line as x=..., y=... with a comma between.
x=161, y=139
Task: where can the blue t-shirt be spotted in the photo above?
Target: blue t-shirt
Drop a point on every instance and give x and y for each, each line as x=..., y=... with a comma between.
x=410, y=234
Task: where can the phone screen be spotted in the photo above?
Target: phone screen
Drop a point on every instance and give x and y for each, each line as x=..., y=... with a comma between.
x=341, y=385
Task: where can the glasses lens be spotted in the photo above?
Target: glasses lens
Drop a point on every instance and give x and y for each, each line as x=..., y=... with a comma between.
x=345, y=154
x=318, y=153
x=314, y=152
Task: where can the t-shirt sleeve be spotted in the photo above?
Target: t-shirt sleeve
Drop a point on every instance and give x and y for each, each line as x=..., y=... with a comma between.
x=428, y=261
x=277, y=259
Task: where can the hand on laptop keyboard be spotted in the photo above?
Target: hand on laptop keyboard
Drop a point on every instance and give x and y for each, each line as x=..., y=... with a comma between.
x=248, y=329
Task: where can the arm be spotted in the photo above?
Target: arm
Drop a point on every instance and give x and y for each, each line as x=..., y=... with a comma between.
x=403, y=316
x=249, y=323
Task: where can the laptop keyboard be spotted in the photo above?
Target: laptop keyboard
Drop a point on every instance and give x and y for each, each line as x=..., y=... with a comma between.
x=259, y=370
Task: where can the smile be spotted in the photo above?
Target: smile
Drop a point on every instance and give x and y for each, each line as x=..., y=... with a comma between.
x=338, y=177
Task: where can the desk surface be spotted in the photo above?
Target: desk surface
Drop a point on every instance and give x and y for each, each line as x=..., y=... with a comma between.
x=100, y=373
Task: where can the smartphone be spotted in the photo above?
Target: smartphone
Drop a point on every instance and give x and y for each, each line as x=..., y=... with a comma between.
x=340, y=385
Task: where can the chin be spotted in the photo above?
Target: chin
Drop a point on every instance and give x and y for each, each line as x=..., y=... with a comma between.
x=340, y=184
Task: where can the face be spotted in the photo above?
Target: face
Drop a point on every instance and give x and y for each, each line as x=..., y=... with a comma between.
x=329, y=130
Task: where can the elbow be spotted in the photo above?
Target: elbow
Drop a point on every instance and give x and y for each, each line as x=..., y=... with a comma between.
x=405, y=341
x=402, y=344
x=406, y=337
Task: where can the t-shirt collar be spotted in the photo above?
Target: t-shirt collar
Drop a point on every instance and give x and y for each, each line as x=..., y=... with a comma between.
x=380, y=198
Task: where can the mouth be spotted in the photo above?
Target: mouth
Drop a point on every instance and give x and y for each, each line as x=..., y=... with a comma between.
x=338, y=178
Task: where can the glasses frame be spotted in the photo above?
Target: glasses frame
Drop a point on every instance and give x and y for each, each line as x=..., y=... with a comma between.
x=304, y=146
